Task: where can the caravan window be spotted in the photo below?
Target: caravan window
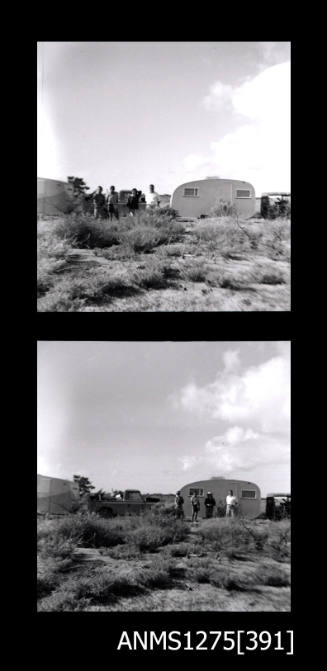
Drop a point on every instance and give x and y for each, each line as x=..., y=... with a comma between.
x=248, y=494
x=195, y=490
x=191, y=192
x=243, y=193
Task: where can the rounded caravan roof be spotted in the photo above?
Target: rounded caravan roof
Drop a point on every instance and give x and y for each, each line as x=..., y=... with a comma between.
x=49, y=477
x=212, y=481
x=56, y=181
x=215, y=179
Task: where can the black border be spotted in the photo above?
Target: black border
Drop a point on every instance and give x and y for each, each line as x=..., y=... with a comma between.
x=90, y=636
x=107, y=627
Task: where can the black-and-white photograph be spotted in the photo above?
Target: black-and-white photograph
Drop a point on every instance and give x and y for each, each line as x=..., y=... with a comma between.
x=163, y=476
x=163, y=176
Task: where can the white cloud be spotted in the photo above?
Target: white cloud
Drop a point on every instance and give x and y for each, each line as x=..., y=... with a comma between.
x=238, y=451
x=220, y=96
x=188, y=462
x=258, y=397
x=255, y=404
x=258, y=150
x=231, y=359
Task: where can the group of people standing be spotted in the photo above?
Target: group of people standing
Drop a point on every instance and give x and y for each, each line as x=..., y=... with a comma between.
x=105, y=206
x=209, y=504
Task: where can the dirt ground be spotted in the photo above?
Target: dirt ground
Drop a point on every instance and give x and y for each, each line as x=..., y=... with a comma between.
x=190, y=595
x=198, y=275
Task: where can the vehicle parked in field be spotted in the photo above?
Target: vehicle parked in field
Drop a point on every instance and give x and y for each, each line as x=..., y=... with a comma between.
x=275, y=204
x=278, y=506
x=129, y=502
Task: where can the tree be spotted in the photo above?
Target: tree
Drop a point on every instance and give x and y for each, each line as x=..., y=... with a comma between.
x=84, y=484
x=79, y=185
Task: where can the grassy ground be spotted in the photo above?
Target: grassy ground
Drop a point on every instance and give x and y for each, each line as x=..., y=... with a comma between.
x=157, y=563
x=156, y=263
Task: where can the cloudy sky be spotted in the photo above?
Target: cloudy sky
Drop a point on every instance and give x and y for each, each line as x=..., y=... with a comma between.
x=134, y=113
x=157, y=415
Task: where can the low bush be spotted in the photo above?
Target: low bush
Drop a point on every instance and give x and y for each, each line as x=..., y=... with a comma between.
x=274, y=576
x=160, y=576
x=158, y=216
x=46, y=582
x=86, y=530
x=226, y=534
x=223, y=208
x=62, y=601
x=85, y=231
x=158, y=528
x=127, y=551
x=103, y=587
x=197, y=272
x=181, y=549
x=272, y=278
x=144, y=237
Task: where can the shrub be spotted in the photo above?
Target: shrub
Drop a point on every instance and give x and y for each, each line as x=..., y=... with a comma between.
x=87, y=530
x=159, y=576
x=84, y=231
x=223, y=208
x=56, y=546
x=197, y=272
x=157, y=529
x=274, y=576
x=158, y=216
x=163, y=510
x=203, y=575
x=59, y=301
x=233, y=535
x=46, y=582
x=272, y=278
x=128, y=551
x=148, y=537
x=62, y=601
x=180, y=549
x=150, y=278
x=103, y=587
x=149, y=234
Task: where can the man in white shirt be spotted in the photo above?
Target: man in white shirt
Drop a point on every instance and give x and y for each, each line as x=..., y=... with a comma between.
x=152, y=198
x=231, y=502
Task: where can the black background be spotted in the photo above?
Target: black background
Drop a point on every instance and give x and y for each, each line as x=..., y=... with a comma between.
x=89, y=639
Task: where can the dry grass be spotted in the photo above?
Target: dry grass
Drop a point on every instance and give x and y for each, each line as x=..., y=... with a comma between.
x=139, y=563
x=158, y=264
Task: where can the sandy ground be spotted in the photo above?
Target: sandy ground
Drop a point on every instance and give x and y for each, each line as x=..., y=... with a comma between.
x=246, y=291
x=189, y=595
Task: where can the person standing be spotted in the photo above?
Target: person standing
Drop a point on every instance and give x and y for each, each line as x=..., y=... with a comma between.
x=179, y=503
x=112, y=202
x=133, y=202
x=231, y=503
x=152, y=198
x=99, y=203
x=209, y=503
x=195, y=507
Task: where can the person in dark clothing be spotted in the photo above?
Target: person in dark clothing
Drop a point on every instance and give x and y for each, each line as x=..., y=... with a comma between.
x=113, y=203
x=133, y=201
x=209, y=504
x=99, y=203
x=195, y=507
x=179, y=503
